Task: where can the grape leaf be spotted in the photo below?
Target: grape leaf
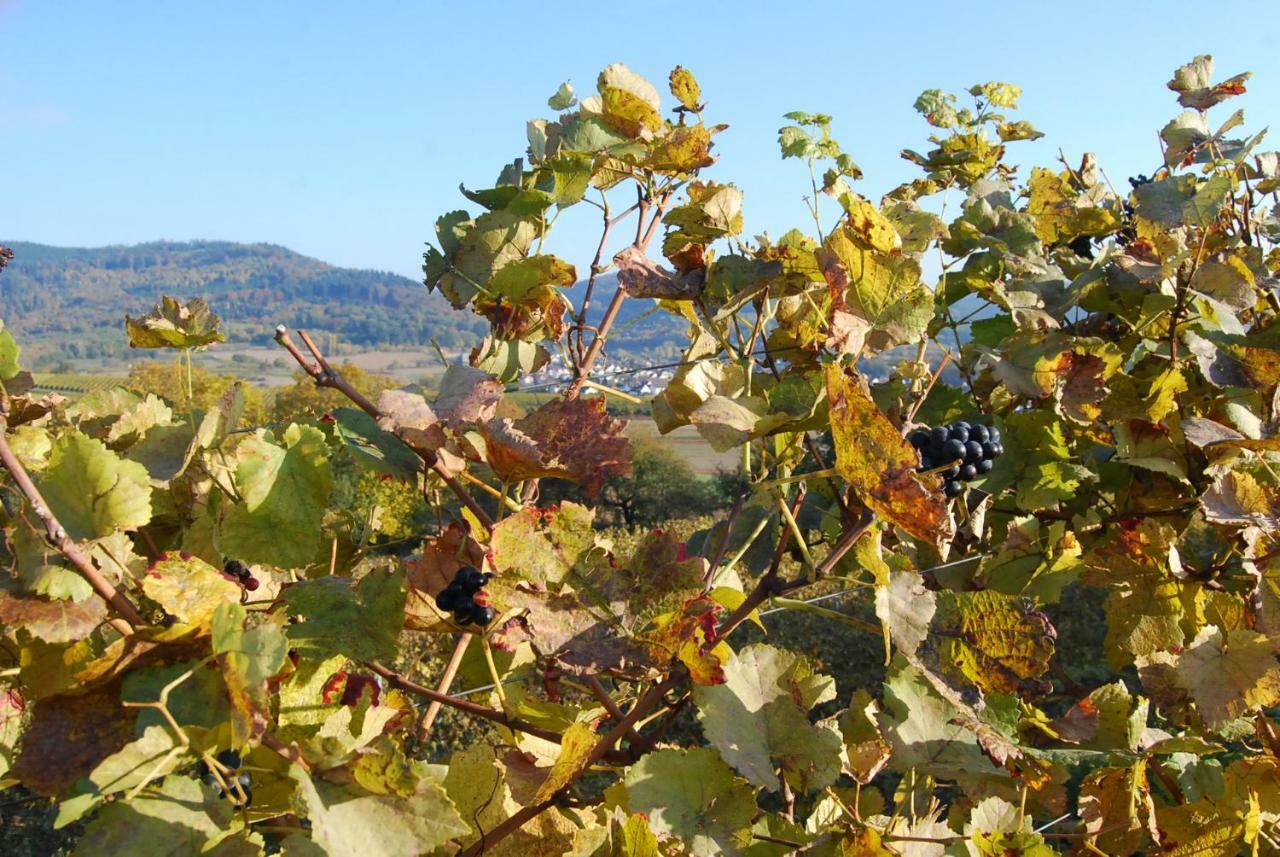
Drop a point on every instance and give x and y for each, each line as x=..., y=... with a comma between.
x=758, y=719
x=285, y=492
x=92, y=490
x=188, y=588
x=179, y=819
x=69, y=736
x=54, y=621
x=998, y=642
x=361, y=621
x=349, y=822
x=880, y=465
x=693, y=797
x=1229, y=673
x=575, y=440
x=171, y=324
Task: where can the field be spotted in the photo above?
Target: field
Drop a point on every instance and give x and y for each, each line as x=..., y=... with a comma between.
x=688, y=444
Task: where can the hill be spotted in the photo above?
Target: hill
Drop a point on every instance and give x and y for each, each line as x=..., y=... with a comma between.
x=71, y=302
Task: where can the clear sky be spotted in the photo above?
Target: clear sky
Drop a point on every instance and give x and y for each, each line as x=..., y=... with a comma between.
x=342, y=129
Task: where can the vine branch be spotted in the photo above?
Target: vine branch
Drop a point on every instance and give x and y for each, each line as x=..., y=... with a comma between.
x=59, y=539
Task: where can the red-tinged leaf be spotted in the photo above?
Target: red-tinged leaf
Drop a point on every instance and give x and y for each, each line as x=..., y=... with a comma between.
x=69, y=735
x=689, y=635
x=575, y=440
x=50, y=620
x=880, y=465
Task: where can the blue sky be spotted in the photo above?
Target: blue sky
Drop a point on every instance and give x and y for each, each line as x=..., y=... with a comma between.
x=343, y=129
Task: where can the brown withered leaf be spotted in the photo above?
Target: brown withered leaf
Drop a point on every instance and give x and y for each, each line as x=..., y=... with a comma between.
x=50, y=620
x=880, y=466
x=575, y=440
x=409, y=417
x=70, y=735
x=641, y=277
x=467, y=395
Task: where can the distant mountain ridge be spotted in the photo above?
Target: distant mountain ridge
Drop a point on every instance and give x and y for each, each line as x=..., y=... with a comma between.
x=71, y=301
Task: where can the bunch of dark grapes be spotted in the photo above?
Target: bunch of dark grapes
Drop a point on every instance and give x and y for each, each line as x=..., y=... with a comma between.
x=459, y=598
x=966, y=450
x=241, y=573
x=230, y=760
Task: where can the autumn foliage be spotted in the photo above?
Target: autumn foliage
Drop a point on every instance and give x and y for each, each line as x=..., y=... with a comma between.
x=1122, y=336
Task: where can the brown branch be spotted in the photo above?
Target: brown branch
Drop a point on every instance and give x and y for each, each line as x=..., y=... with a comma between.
x=326, y=376
x=484, y=712
x=610, y=705
x=446, y=681
x=58, y=538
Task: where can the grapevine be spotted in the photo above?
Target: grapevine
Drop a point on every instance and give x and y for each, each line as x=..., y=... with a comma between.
x=202, y=654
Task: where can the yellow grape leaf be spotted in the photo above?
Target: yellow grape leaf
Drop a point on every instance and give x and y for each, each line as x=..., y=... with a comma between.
x=575, y=746
x=998, y=642
x=1229, y=674
x=873, y=457
x=188, y=588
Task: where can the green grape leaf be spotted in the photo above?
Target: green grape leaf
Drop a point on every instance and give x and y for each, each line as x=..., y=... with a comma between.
x=921, y=726
x=172, y=324
x=544, y=547
x=564, y=97
x=349, y=822
x=905, y=607
x=361, y=621
x=9, y=351
x=189, y=589
x=176, y=820
x=692, y=797
x=758, y=719
x=285, y=492
x=373, y=447
x=92, y=490
x=153, y=756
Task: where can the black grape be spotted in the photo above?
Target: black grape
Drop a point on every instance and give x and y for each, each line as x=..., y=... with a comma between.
x=959, y=432
x=985, y=465
x=939, y=435
x=989, y=450
x=972, y=452
x=447, y=599
x=968, y=472
x=468, y=579
x=979, y=433
x=953, y=488
x=954, y=450
x=950, y=473
x=483, y=616
x=229, y=759
x=919, y=438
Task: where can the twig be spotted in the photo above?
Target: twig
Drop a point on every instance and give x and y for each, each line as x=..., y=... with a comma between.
x=476, y=710
x=446, y=680
x=57, y=536
x=326, y=376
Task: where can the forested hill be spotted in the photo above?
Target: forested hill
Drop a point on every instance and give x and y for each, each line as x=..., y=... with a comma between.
x=71, y=302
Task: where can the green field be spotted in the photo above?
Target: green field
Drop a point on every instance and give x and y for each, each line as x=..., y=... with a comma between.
x=688, y=444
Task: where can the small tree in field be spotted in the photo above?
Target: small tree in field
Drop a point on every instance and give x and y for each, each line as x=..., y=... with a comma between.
x=204, y=656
